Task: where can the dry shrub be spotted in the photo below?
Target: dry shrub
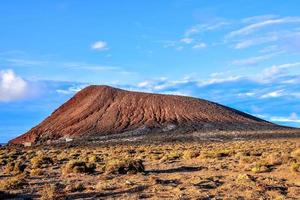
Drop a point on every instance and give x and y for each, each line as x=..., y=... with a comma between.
x=94, y=159
x=189, y=154
x=126, y=166
x=217, y=154
x=15, y=167
x=296, y=154
x=30, y=154
x=275, y=159
x=77, y=166
x=295, y=167
x=52, y=192
x=13, y=182
x=171, y=156
x=36, y=172
x=75, y=187
x=41, y=161
x=260, y=169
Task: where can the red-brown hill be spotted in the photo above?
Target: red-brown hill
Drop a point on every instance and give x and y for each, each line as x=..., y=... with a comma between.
x=102, y=110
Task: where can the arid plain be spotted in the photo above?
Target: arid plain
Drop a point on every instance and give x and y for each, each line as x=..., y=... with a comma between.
x=250, y=169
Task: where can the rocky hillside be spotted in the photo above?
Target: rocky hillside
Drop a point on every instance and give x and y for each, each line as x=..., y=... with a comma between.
x=104, y=110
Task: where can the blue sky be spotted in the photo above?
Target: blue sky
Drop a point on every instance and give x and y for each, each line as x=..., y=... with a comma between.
x=244, y=54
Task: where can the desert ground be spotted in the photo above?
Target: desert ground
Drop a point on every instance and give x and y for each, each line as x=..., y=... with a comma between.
x=250, y=169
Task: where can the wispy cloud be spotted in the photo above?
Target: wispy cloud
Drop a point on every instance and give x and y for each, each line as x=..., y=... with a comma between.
x=252, y=60
x=259, y=18
x=75, y=65
x=71, y=89
x=273, y=94
x=89, y=67
x=187, y=40
x=99, y=45
x=191, y=40
x=255, y=41
x=275, y=71
x=200, y=28
x=25, y=62
x=200, y=45
x=259, y=25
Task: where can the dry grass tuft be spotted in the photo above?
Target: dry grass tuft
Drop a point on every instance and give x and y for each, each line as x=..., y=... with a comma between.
x=295, y=167
x=75, y=187
x=296, y=154
x=171, y=156
x=126, y=166
x=217, y=154
x=15, y=167
x=36, y=172
x=15, y=182
x=41, y=161
x=52, y=192
x=77, y=166
x=190, y=154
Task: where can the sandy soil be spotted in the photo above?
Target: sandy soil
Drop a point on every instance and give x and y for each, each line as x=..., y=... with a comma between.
x=255, y=169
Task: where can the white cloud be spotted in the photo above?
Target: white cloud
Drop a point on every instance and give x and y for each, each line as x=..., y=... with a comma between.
x=88, y=66
x=248, y=94
x=218, y=80
x=78, y=65
x=12, y=87
x=274, y=94
x=255, y=41
x=71, y=90
x=256, y=26
x=25, y=62
x=292, y=118
x=205, y=27
x=275, y=71
x=258, y=18
x=200, y=45
x=187, y=40
x=270, y=49
x=144, y=84
x=252, y=60
x=99, y=45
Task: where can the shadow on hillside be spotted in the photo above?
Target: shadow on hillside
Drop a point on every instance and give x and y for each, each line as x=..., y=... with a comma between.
x=176, y=170
x=8, y=195
x=96, y=195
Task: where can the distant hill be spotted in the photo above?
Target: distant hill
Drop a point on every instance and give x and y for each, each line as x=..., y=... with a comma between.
x=104, y=110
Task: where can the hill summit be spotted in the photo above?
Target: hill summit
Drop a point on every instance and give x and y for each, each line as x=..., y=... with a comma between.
x=104, y=110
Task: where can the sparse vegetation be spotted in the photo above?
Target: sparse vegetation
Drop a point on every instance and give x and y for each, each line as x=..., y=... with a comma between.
x=75, y=187
x=295, y=167
x=223, y=170
x=124, y=166
x=216, y=154
x=77, y=166
x=296, y=154
x=36, y=172
x=52, y=192
x=171, y=156
x=190, y=154
x=14, y=182
x=41, y=161
x=15, y=167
